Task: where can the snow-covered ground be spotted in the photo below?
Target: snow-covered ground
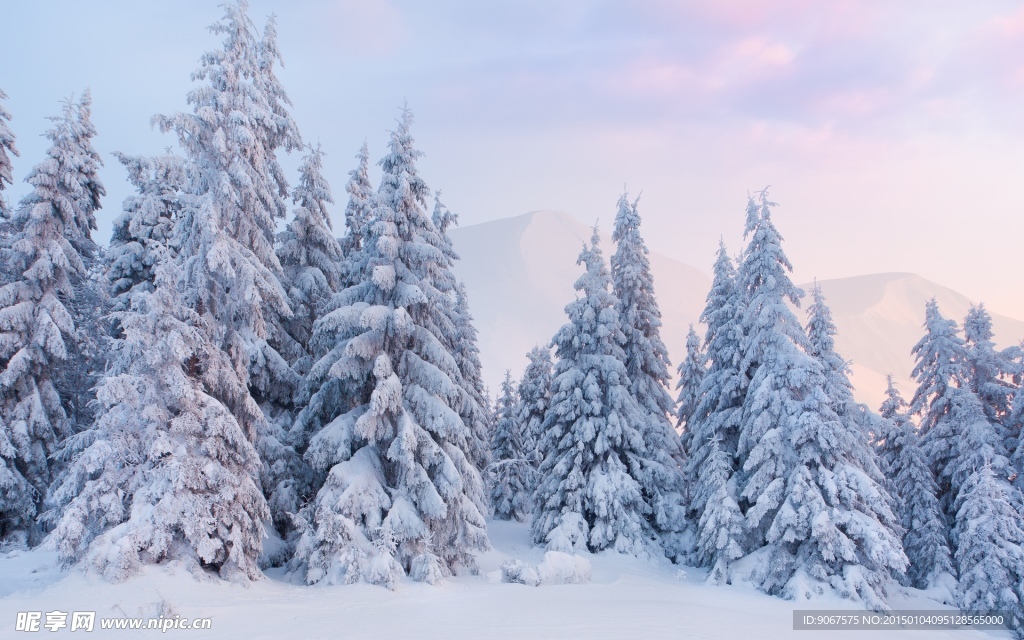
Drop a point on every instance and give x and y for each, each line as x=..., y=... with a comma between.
x=626, y=598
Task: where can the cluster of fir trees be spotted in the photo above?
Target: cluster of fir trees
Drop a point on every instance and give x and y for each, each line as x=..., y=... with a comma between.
x=258, y=397
x=780, y=477
x=587, y=448
x=954, y=472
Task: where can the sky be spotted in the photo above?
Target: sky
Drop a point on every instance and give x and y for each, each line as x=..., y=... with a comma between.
x=891, y=133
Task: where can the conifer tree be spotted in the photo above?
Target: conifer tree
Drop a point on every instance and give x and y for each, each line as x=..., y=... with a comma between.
x=941, y=364
x=146, y=224
x=534, y=400
x=309, y=253
x=510, y=470
x=7, y=149
x=691, y=374
x=474, y=403
x=925, y=533
x=647, y=369
x=589, y=494
x=821, y=331
x=230, y=272
x=38, y=332
x=989, y=372
x=989, y=542
x=712, y=430
x=168, y=473
x=239, y=122
x=359, y=207
x=400, y=495
x=78, y=375
x=816, y=505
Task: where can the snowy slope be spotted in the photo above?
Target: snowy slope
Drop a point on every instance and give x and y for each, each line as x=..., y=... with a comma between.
x=627, y=598
x=520, y=271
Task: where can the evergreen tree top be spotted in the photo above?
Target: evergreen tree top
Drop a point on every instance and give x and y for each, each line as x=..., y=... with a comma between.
x=7, y=149
x=66, y=186
x=240, y=118
x=647, y=360
x=940, y=363
x=978, y=326
x=593, y=326
x=313, y=194
x=360, y=192
x=894, y=407
x=765, y=282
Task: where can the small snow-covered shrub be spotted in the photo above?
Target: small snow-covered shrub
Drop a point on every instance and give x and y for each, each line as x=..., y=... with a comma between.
x=518, y=572
x=563, y=568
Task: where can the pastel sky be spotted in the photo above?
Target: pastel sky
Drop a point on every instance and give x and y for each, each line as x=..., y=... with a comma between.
x=891, y=133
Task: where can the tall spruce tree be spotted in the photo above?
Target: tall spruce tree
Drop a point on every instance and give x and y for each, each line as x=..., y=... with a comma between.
x=925, y=532
x=168, y=472
x=46, y=269
x=990, y=373
x=7, y=149
x=510, y=470
x=400, y=495
x=534, y=400
x=647, y=369
x=359, y=207
x=989, y=542
x=239, y=122
x=691, y=374
x=146, y=224
x=711, y=433
x=940, y=372
x=309, y=253
x=816, y=505
x=230, y=271
x=590, y=495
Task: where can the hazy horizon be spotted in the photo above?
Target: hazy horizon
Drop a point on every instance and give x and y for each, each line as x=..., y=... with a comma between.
x=890, y=135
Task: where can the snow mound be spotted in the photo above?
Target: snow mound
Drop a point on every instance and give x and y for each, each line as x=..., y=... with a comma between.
x=563, y=568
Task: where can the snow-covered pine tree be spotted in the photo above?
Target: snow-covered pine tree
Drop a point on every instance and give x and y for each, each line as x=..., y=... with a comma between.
x=238, y=124
x=712, y=429
x=474, y=409
x=534, y=400
x=721, y=530
x=647, y=369
x=589, y=494
x=358, y=211
x=309, y=253
x=146, y=223
x=941, y=373
x=989, y=372
x=7, y=149
x=821, y=331
x=231, y=273
x=816, y=505
x=1016, y=448
x=972, y=442
x=167, y=473
x=400, y=496
x=511, y=471
x=894, y=411
x=925, y=532
x=455, y=325
x=78, y=375
x=38, y=334
x=691, y=374
x=989, y=542
x=941, y=365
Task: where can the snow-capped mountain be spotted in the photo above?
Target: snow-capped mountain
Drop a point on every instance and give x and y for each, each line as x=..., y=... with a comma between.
x=520, y=272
